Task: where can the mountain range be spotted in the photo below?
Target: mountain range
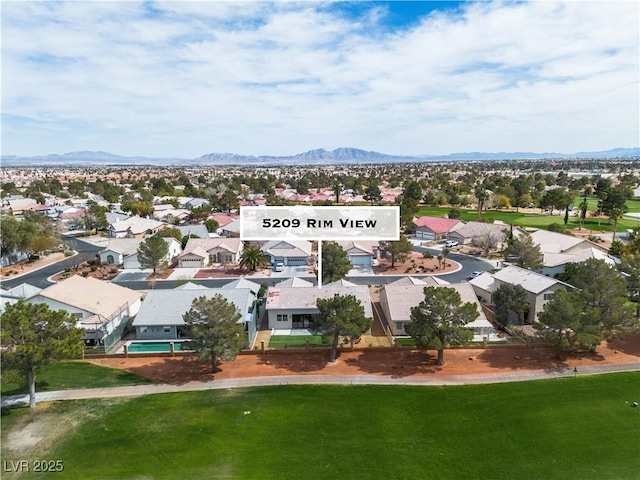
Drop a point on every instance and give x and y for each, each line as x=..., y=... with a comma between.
x=312, y=157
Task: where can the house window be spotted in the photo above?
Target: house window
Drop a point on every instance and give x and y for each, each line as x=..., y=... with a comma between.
x=78, y=316
x=166, y=329
x=282, y=317
x=400, y=326
x=110, y=259
x=143, y=329
x=547, y=296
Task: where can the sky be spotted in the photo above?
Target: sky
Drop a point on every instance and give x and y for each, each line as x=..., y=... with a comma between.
x=183, y=79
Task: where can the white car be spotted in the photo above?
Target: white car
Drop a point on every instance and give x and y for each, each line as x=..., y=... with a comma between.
x=451, y=243
x=279, y=267
x=475, y=274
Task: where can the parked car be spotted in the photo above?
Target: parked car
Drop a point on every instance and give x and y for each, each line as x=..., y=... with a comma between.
x=279, y=267
x=451, y=243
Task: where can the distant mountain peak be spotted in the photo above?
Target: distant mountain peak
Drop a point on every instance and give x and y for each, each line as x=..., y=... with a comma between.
x=342, y=155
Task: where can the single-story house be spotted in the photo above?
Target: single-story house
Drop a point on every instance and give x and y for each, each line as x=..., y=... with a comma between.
x=361, y=252
x=559, y=249
x=135, y=227
x=161, y=314
x=294, y=282
x=539, y=288
x=21, y=205
x=295, y=308
x=474, y=231
x=200, y=252
x=435, y=228
x=101, y=308
x=397, y=300
x=199, y=231
x=124, y=251
x=15, y=294
x=553, y=242
x=171, y=215
x=289, y=252
x=555, y=263
x=231, y=229
x=428, y=281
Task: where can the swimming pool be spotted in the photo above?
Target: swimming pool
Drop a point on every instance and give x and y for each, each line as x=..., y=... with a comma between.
x=150, y=347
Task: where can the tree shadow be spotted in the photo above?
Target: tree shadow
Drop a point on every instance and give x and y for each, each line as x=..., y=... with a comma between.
x=395, y=364
x=629, y=345
x=311, y=361
x=175, y=370
x=523, y=359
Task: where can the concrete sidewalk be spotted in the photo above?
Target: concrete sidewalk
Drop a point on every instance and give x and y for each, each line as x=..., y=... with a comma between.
x=426, y=380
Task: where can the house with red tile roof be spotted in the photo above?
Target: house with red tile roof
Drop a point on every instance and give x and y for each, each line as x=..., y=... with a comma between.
x=435, y=228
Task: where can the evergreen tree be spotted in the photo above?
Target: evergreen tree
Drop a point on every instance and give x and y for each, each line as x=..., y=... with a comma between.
x=439, y=320
x=33, y=335
x=340, y=315
x=213, y=329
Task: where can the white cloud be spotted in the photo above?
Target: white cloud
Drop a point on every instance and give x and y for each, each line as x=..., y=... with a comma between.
x=188, y=78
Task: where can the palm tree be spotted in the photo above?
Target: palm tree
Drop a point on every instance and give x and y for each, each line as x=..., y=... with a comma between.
x=482, y=195
x=445, y=253
x=251, y=258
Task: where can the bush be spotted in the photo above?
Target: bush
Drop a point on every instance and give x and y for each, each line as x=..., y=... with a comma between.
x=85, y=274
x=68, y=253
x=427, y=254
x=113, y=269
x=94, y=268
x=67, y=270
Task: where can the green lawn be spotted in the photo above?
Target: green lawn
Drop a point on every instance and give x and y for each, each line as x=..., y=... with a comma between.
x=68, y=375
x=295, y=341
x=568, y=428
x=533, y=220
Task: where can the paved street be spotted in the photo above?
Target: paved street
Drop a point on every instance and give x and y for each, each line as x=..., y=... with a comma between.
x=87, y=251
x=38, y=278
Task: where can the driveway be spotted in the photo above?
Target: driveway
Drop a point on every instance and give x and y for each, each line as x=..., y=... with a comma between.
x=132, y=275
x=183, y=274
x=291, y=271
x=360, y=270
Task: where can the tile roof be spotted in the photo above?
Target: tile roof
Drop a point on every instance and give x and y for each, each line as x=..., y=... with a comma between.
x=553, y=242
x=198, y=245
x=305, y=298
x=531, y=281
x=90, y=294
x=166, y=307
x=401, y=298
x=436, y=224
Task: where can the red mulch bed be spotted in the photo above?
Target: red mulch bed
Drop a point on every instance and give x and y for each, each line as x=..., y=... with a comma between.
x=387, y=362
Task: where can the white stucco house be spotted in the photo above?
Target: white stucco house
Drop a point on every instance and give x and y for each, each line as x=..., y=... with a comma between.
x=559, y=249
x=161, y=314
x=397, y=300
x=539, y=288
x=295, y=307
x=288, y=252
x=361, y=252
x=201, y=252
x=124, y=251
x=101, y=308
x=135, y=227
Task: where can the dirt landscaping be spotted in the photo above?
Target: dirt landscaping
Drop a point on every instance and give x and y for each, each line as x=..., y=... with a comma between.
x=415, y=264
x=386, y=362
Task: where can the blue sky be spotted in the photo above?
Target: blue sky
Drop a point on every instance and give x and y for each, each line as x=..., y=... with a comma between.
x=182, y=79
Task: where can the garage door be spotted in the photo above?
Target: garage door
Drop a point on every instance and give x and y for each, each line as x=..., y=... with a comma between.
x=425, y=235
x=190, y=263
x=295, y=261
x=360, y=260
